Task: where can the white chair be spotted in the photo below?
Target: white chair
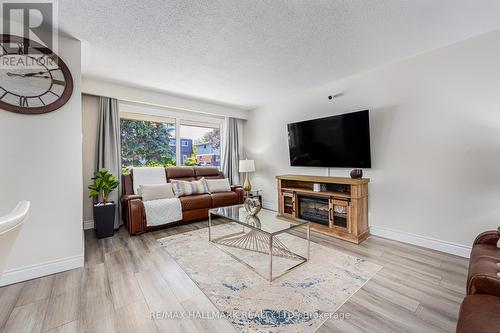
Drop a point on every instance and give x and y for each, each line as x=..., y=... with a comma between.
x=10, y=225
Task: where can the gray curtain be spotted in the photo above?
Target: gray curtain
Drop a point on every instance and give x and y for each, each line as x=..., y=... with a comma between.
x=231, y=156
x=108, y=146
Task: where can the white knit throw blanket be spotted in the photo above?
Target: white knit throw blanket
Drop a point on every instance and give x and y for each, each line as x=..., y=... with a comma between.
x=162, y=211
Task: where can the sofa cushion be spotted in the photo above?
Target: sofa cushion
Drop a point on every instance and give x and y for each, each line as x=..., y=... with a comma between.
x=220, y=176
x=183, y=188
x=180, y=173
x=147, y=176
x=156, y=192
x=196, y=201
x=224, y=199
x=207, y=172
x=218, y=185
x=479, y=313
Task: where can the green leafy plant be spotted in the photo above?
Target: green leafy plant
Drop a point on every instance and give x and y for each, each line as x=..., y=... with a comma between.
x=153, y=164
x=126, y=170
x=190, y=161
x=104, y=183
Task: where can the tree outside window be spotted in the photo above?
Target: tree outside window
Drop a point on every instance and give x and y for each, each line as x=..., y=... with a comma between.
x=147, y=143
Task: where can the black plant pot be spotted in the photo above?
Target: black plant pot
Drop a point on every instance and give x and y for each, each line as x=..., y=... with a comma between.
x=104, y=219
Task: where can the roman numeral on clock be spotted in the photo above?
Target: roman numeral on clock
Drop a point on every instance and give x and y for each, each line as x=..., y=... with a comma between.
x=53, y=93
x=23, y=101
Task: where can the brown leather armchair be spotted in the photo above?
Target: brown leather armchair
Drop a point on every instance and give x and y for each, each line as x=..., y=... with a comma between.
x=194, y=207
x=480, y=310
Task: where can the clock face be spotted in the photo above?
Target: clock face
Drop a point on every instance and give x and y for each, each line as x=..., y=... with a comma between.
x=33, y=79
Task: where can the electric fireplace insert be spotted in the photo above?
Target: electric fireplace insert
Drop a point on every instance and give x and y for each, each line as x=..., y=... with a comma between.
x=314, y=209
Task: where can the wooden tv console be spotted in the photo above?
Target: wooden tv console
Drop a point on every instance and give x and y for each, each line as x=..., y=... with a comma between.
x=339, y=207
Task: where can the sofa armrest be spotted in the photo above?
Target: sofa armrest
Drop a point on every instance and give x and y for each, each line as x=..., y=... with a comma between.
x=127, y=197
x=488, y=237
x=483, y=269
x=133, y=210
x=486, y=283
x=240, y=192
x=233, y=187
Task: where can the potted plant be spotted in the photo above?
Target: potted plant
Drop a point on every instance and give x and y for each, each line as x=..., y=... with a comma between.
x=104, y=211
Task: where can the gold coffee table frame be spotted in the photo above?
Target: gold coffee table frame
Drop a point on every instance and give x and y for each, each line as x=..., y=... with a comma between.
x=257, y=239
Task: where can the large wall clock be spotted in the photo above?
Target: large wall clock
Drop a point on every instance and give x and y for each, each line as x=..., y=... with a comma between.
x=33, y=79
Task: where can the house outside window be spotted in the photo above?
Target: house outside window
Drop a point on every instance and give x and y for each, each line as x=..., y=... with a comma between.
x=206, y=143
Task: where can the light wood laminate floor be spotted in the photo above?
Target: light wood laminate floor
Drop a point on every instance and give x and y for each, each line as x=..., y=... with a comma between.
x=126, y=278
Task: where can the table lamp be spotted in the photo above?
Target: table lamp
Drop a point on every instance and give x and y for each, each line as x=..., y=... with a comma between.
x=247, y=166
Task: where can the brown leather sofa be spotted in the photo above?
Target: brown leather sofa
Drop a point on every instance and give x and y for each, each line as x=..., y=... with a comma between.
x=194, y=207
x=480, y=310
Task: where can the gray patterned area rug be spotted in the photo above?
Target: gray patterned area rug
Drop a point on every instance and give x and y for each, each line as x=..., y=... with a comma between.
x=299, y=301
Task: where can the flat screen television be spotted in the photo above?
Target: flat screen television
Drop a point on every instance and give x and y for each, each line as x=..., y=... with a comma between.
x=339, y=141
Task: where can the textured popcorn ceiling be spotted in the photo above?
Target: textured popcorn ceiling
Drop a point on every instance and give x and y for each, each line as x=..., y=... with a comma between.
x=247, y=53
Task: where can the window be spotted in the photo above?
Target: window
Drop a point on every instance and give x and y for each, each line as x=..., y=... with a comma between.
x=147, y=141
x=205, y=143
x=149, y=138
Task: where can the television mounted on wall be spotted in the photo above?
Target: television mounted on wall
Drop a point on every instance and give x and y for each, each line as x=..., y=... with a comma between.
x=341, y=141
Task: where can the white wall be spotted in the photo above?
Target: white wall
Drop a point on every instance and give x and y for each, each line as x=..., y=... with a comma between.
x=42, y=162
x=435, y=138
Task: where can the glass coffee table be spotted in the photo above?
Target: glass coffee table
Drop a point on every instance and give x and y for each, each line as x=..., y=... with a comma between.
x=259, y=234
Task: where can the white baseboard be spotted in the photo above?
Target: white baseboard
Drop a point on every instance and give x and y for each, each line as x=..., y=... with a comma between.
x=406, y=237
x=39, y=270
x=423, y=241
x=269, y=205
x=89, y=224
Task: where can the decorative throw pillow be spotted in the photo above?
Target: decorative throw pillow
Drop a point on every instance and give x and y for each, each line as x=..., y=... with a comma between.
x=183, y=188
x=218, y=185
x=156, y=191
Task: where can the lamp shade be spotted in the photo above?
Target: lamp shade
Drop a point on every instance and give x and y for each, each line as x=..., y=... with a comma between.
x=247, y=166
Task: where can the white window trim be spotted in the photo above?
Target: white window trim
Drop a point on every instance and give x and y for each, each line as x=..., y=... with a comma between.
x=147, y=117
x=143, y=109
x=181, y=118
x=178, y=148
